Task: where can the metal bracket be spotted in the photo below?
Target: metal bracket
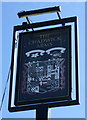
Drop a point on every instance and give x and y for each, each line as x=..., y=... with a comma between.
x=29, y=22
x=60, y=18
x=58, y=15
x=38, y=12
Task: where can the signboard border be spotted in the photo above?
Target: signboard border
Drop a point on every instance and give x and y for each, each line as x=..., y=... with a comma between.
x=57, y=98
x=54, y=103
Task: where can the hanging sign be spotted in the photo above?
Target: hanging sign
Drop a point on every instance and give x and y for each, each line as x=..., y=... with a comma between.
x=44, y=66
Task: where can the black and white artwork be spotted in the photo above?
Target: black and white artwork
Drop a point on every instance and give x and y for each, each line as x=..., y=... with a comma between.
x=48, y=75
x=44, y=65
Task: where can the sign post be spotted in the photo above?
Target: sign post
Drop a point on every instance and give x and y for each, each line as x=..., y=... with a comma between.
x=42, y=112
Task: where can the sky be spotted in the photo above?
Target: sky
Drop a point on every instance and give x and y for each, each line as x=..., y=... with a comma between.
x=10, y=19
x=1, y=55
x=43, y=0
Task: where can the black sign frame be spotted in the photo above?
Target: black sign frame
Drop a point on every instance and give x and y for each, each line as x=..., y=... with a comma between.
x=20, y=70
x=52, y=103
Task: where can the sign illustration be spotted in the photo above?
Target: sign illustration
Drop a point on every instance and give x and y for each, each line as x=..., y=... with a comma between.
x=44, y=76
x=44, y=66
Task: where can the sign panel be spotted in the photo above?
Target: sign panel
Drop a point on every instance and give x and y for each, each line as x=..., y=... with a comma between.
x=44, y=66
